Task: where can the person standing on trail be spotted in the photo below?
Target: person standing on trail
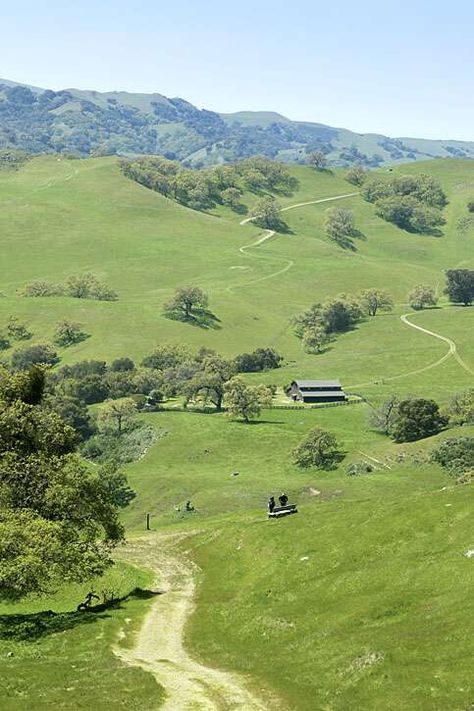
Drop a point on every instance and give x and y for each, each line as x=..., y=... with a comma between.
x=271, y=504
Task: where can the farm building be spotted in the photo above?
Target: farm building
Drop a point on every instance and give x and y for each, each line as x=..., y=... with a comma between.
x=317, y=391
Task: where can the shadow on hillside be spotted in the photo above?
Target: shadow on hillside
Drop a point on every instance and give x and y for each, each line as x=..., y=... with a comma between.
x=202, y=318
x=347, y=241
x=30, y=627
x=276, y=225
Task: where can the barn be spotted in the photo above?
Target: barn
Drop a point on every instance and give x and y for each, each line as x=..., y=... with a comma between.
x=315, y=391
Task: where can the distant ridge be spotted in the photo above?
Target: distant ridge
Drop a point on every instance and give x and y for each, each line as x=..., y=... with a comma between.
x=87, y=122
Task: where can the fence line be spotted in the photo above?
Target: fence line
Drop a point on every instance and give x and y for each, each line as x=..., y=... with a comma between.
x=210, y=410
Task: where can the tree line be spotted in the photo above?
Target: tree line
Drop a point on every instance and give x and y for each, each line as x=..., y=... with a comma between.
x=204, y=189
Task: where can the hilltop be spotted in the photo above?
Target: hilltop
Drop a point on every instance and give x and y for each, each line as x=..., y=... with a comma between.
x=87, y=122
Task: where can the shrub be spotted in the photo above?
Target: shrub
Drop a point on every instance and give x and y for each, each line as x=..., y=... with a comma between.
x=318, y=448
x=17, y=330
x=87, y=286
x=358, y=468
x=258, y=360
x=42, y=288
x=40, y=354
x=4, y=342
x=455, y=454
x=68, y=333
x=122, y=365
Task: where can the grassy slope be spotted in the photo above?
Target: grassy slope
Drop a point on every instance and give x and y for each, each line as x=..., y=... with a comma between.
x=382, y=553
x=72, y=666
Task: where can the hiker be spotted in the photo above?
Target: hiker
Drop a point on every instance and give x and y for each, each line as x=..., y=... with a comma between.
x=283, y=499
x=271, y=504
x=189, y=506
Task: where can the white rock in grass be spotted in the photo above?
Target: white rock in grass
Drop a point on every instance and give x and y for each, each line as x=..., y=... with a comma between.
x=469, y=553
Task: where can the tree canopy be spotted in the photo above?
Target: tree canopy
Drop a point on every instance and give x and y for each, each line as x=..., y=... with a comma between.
x=58, y=519
x=460, y=286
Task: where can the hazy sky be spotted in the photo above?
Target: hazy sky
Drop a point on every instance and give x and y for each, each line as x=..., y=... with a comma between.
x=403, y=68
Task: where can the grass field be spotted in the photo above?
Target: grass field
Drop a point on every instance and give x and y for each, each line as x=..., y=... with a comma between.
x=362, y=599
x=66, y=660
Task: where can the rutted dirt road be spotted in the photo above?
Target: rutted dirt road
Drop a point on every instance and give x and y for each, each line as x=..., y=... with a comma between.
x=159, y=647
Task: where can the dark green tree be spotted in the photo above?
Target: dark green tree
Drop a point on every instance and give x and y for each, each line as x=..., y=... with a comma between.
x=319, y=449
x=460, y=286
x=58, y=519
x=416, y=418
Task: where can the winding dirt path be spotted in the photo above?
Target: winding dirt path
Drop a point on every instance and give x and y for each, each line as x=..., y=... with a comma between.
x=451, y=353
x=159, y=647
x=268, y=234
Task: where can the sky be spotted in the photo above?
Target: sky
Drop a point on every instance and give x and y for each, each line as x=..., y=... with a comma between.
x=399, y=68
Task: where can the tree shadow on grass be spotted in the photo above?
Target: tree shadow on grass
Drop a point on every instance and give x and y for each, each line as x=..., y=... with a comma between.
x=347, y=241
x=30, y=627
x=202, y=318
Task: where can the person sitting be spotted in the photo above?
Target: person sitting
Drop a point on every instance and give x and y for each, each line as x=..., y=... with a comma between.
x=283, y=499
x=271, y=504
x=189, y=506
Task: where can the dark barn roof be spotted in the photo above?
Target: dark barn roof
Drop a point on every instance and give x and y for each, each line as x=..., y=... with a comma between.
x=318, y=384
x=323, y=393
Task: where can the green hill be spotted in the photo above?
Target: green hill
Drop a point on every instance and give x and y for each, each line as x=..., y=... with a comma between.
x=87, y=122
x=362, y=599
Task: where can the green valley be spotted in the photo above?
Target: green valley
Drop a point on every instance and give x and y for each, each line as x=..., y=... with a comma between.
x=361, y=600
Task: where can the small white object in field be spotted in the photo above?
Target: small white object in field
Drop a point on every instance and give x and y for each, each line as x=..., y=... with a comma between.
x=469, y=553
x=448, y=504
x=304, y=557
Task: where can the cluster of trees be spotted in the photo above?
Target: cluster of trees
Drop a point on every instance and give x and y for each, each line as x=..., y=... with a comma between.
x=58, y=518
x=321, y=322
x=413, y=202
x=202, y=377
x=459, y=289
x=408, y=419
x=79, y=286
x=204, y=189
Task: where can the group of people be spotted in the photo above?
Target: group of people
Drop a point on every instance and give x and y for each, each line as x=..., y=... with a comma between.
x=283, y=499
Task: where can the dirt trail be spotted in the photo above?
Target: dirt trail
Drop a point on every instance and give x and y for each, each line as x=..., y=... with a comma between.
x=289, y=263
x=451, y=353
x=159, y=646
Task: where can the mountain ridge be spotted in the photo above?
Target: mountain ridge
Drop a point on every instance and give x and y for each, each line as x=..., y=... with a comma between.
x=86, y=122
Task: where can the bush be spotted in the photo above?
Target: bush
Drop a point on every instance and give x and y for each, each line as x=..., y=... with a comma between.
x=40, y=354
x=258, y=360
x=17, y=330
x=87, y=286
x=4, y=342
x=129, y=447
x=455, y=454
x=41, y=288
x=470, y=206
x=358, y=468
x=68, y=333
x=122, y=365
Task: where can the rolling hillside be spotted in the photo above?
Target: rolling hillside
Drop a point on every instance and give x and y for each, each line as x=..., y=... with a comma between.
x=85, y=123
x=362, y=599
